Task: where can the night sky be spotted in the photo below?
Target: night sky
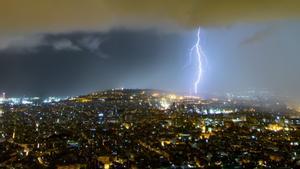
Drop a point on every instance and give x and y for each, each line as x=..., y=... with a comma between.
x=75, y=47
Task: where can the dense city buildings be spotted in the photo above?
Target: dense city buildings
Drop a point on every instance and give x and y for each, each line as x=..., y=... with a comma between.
x=124, y=128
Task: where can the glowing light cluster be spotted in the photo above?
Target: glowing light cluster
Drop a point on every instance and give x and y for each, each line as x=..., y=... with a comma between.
x=164, y=104
x=274, y=127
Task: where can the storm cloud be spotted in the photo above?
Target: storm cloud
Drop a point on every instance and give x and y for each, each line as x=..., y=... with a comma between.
x=72, y=15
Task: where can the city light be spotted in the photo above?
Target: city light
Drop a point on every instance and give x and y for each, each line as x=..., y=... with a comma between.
x=106, y=125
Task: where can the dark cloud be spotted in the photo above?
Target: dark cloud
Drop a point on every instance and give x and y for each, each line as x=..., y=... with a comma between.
x=65, y=44
x=20, y=43
x=24, y=23
x=73, y=15
x=91, y=43
x=61, y=70
x=58, y=42
x=258, y=36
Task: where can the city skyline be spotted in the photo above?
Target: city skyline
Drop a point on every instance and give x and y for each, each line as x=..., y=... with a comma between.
x=108, y=84
x=63, y=58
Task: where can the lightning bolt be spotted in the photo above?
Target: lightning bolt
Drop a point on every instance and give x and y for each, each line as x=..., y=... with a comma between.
x=199, y=57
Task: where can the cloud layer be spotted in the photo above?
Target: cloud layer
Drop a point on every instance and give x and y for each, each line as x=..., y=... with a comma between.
x=65, y=44
x=57, y=42
x=22, y=22
x=74, y=15
x=20, y=42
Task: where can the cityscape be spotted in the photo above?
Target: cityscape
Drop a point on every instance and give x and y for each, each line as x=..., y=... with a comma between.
x=135, y=128
x=149, y=84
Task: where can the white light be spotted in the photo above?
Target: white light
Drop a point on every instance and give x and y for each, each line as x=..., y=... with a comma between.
x=200, y=56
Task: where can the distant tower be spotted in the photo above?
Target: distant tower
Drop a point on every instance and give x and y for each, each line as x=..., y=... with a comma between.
x=3, y=95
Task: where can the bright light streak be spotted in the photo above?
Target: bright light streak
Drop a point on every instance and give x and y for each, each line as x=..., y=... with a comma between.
x=200, y=56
